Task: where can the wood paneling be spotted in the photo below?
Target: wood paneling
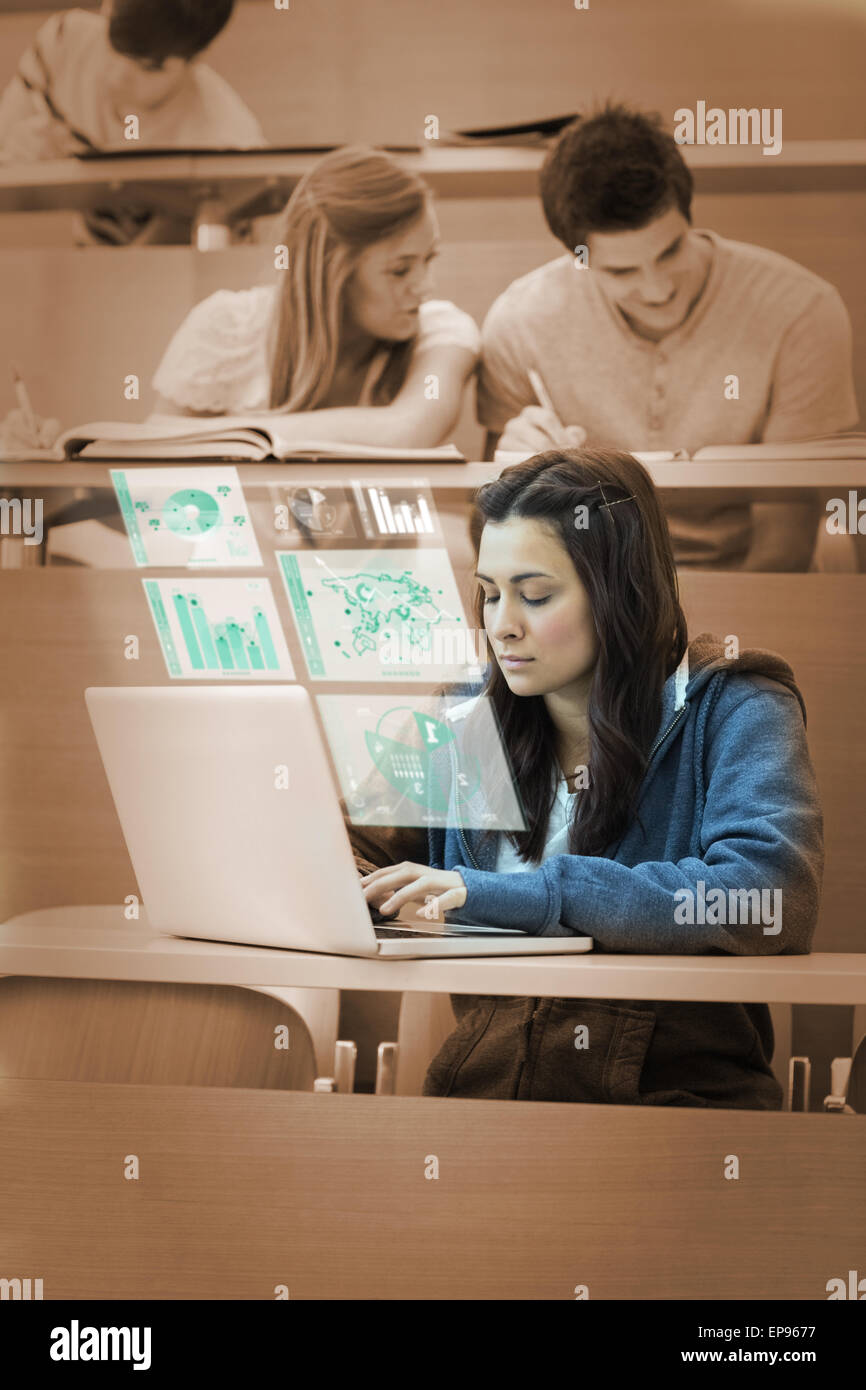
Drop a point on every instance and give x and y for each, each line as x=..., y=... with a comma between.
x=241, y=1191
x=155, y=1034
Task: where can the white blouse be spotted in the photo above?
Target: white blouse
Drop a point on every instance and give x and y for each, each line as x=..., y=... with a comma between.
x=218, y=358
x=508, y=861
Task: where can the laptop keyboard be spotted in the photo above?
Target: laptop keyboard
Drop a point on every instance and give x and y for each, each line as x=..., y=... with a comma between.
x=454, y=930
x=391, y=932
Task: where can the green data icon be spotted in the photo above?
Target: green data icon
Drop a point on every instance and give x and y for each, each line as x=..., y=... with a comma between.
x=190, y=518
x=410, y=768
x=429, y=760
x=379, y=615
x=219, y=628
x=191, y=512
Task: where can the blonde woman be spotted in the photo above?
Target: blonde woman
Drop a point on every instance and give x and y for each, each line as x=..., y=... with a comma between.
x=346, y=342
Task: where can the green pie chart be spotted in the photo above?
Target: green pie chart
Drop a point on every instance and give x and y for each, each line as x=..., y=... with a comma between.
x=191, y=512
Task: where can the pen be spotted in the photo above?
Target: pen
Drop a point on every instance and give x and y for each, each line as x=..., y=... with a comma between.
x=23, y=400
x=540, y=390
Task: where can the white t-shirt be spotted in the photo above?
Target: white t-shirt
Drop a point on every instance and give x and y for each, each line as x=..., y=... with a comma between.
x=508, y=861
x=218, y=358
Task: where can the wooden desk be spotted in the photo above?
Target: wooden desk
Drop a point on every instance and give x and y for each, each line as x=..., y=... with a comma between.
x=256, y=183
x=96, y=943
x=241, y=1191
x=778, y=480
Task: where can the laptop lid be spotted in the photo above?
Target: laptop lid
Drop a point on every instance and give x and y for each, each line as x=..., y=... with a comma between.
x=231, y=815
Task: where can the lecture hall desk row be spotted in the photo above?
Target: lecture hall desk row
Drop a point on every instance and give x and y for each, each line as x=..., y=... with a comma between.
x=349, y=1196
x=233, y=186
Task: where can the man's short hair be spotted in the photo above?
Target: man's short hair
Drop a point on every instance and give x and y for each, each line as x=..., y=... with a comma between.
x=613, y=171
x=154, y=30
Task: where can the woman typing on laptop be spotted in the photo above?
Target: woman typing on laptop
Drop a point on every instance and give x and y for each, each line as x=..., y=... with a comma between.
x=669, y=796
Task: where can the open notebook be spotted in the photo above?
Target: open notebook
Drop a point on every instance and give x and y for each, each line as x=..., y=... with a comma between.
x=252, y=438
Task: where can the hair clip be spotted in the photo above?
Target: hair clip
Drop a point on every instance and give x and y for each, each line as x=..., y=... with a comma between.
x=605, y=503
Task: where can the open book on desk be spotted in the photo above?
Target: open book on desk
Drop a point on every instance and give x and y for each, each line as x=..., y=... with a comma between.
x=851, y=445
x=230, y=437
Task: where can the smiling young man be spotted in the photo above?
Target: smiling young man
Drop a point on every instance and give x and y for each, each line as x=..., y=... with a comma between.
x=653, y=334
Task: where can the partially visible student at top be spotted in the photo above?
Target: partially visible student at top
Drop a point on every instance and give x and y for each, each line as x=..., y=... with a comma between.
x=85, y=74
x=654, y=334
x=345, y=342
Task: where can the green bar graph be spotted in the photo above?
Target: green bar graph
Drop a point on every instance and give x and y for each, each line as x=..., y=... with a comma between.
x=224, y=652
x=188, y=628
x=219, y=627
x=202, y=627
x=236, y=642
x=267, y=643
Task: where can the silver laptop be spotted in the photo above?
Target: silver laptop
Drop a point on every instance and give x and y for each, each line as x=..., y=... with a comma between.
x=233, y=824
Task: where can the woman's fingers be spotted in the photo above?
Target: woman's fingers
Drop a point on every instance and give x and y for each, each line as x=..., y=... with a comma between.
x=434, y=909
x=390, y=870
x=390, y=888
x=418, y=889
x=378, y=887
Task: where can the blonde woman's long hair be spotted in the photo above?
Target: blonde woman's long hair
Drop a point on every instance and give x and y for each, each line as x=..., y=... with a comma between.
x=349, y=200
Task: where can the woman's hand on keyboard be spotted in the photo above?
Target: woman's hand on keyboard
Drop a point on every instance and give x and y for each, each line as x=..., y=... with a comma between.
x=390, y=888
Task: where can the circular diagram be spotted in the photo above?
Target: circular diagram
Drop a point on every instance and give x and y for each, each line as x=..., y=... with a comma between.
x=191, y=512
x=310, y=506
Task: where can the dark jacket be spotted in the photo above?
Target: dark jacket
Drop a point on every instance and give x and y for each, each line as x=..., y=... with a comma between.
x=724, y=855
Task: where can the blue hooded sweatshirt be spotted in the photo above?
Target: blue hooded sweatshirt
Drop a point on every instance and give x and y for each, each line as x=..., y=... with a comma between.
x=723, y=855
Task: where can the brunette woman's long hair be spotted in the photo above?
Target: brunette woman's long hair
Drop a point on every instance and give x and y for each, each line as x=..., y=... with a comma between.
x=620, y=547
x=349, y=200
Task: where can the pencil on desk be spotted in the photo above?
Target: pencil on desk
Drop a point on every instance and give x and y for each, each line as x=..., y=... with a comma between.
x=23, y=399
